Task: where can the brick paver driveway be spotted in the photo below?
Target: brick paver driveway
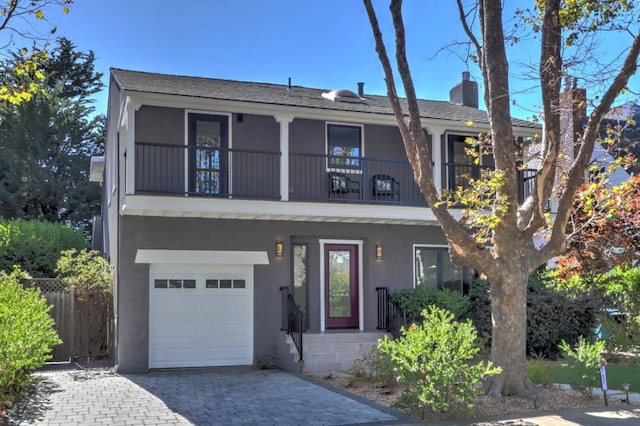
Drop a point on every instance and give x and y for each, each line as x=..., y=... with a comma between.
x=216, y=396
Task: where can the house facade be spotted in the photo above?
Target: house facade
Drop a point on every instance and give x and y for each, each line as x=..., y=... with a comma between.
x=224, y=199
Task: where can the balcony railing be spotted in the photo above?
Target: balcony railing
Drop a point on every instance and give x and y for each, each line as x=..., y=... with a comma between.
x=207, y=171
x=460, y=175
x=352, y=180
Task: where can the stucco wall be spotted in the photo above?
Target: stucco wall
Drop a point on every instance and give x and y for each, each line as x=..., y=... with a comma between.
x=395, y=270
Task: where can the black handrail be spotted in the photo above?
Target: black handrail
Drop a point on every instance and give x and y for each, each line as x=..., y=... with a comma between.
x=292, y=319
x=390, y=316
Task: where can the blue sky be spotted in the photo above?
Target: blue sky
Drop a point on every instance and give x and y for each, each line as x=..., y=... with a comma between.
x=326, y=44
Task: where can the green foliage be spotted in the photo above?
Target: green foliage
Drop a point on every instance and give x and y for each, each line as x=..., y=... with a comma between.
x=46, y=143
x=618, y=289
x=86, y=271
x=414, y=301
x=90, y=276
x=434, y=360
x=27, y=333
x=375, y=365
x=538, y=372
x=35, y=246
x=18, y=23
x=585, y=360
x=551, y=316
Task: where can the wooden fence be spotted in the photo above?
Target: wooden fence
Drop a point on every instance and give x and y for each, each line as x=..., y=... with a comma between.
x=85, y=326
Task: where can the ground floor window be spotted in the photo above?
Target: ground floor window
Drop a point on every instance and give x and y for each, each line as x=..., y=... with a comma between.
x=433, y=267
x=301, y=279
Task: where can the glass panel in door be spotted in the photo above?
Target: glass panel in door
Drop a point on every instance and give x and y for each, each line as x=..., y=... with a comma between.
x=341, y=286
x=208, y=143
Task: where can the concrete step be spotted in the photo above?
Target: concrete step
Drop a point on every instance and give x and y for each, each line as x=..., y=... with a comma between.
x=326, y=353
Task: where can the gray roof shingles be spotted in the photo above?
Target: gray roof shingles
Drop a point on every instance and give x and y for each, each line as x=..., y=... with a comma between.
x=276, y=94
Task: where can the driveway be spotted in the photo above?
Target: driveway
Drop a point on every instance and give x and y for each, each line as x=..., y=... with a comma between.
x=215, y=396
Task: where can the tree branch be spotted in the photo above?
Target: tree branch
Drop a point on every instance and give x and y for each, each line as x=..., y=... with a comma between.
x=463, y=248
x=557, y=242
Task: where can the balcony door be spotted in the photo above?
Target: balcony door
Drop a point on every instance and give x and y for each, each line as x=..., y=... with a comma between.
x=208, y=145
x=341, y=286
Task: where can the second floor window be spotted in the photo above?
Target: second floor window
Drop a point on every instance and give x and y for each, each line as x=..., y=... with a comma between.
x=344, y=146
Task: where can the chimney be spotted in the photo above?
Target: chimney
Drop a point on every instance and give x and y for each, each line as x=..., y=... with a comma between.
x=361, y=89
x=573, y=113
x=465, y=93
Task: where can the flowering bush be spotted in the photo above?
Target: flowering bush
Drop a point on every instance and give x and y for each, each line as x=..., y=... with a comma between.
x=434, y=361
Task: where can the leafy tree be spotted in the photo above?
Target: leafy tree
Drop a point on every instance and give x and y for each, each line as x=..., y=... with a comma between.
x=90, y=276
x=605, y=225
x=18, y=24
x=35, y=246
x=47, y=144
x=496, y=237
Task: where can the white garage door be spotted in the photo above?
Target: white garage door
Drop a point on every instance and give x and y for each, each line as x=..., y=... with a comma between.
x=200, y=315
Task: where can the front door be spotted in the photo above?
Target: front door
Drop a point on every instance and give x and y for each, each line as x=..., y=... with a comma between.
x=208, y=151
x=341, y=285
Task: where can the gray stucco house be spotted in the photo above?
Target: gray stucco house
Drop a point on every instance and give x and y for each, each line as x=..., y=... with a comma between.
x=222, y=198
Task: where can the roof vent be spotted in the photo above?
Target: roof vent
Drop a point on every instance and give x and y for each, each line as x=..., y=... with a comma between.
x=342, y=95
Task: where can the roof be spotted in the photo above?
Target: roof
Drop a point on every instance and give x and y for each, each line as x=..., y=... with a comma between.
x=296, y=96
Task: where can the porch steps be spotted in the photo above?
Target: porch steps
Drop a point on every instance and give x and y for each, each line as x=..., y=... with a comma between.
x=334, y=352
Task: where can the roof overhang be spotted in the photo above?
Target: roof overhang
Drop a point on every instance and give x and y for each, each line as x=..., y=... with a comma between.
x=215, y=208
x=222, y=105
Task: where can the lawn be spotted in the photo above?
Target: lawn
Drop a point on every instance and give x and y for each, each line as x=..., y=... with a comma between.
x=547, y=372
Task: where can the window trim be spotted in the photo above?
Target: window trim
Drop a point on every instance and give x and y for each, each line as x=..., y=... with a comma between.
x=351, y=170
x=229, y=145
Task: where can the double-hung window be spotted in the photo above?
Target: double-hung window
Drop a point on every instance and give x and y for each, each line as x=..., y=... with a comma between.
x=344, y=146
x=434, y=268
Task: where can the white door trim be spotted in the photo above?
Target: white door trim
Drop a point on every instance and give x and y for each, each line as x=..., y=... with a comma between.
x=360, y=244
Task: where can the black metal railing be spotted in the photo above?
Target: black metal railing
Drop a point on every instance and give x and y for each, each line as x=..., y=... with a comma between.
x=206, y=171
x=364, y=180
x=461, y=174
x=292, y=318
x=390, y=316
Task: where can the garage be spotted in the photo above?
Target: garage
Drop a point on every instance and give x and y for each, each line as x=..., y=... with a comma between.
x=200, y=314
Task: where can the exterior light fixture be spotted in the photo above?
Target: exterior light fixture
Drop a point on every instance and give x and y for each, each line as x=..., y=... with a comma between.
x=279, y=248
x=378, y=251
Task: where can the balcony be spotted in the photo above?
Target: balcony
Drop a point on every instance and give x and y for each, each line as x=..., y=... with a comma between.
x=210, y=172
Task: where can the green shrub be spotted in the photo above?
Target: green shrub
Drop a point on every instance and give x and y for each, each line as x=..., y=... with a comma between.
x=585, y=360
x=35, y=246
x=375, y=365
x=27, y=335
x=538, y=372
x=551, y=316
x=434, y=361
x=414, y=301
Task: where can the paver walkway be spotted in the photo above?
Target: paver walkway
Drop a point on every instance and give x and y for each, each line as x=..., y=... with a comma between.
x=216, y=396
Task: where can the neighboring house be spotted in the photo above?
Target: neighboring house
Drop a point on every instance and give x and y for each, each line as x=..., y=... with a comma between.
x=573, y=119
x=221, y=198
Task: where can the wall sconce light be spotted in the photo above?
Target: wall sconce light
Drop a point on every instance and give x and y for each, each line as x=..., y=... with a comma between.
x=279, y=248
x=378, y=251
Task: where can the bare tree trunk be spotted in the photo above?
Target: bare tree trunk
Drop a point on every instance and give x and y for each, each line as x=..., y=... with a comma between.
x=509, y=335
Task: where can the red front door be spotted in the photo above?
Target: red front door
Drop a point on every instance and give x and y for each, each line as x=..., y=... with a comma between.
x=341, y=286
